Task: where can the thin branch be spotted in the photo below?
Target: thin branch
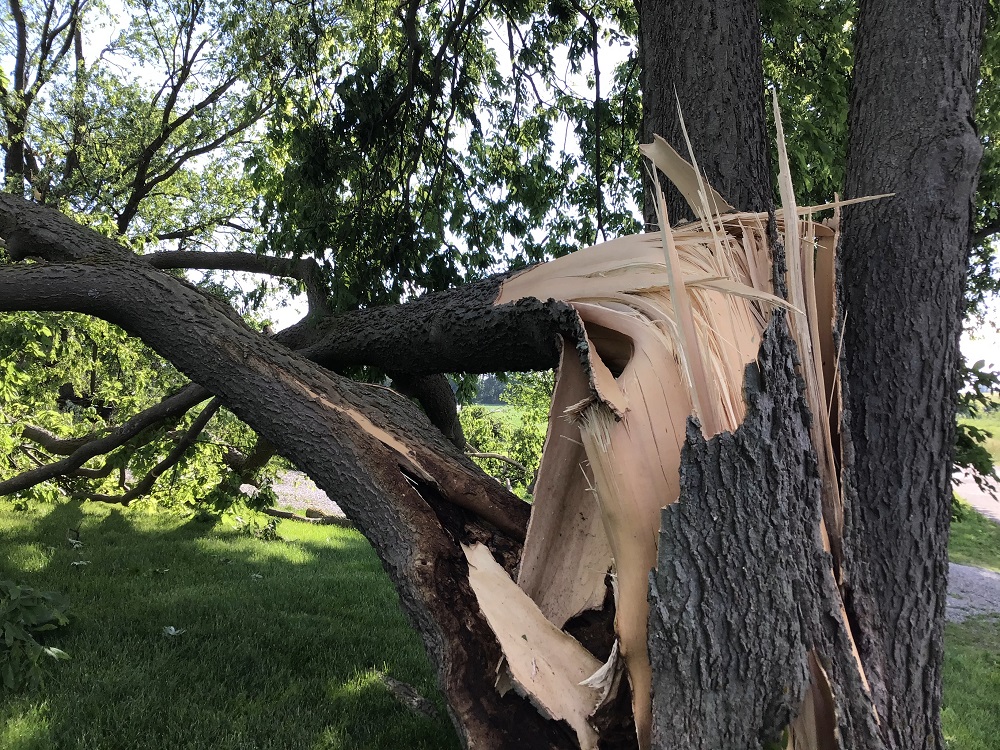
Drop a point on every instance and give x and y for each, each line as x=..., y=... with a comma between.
x=175, y=455
x=196, y=229
x=142, y=184
x=499, y=457
x=174, y=406
x=306, y=270
x=980, y=236
x=73, y=153
x=341, y=521
x=104, y=471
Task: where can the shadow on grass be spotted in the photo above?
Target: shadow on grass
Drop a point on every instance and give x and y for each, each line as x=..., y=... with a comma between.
x=279, y=647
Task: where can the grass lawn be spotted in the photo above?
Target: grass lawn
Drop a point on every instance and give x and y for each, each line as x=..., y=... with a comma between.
x=281, y=647
x=990, y=422
x=971, y=715
x=282, y=639
x=975, y=540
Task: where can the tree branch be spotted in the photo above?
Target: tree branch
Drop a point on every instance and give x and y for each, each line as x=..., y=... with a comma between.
x=175, y=455
x=53, y=443
x=341, y=521
x=174, y=406
x=981, y=235
x=410, y=491
x=499, y=457
x=306, y=270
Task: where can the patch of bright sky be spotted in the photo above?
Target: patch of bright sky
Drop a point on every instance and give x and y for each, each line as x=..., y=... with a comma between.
x=982, y=342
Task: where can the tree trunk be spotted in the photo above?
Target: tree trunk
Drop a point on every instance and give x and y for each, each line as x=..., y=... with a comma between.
x=746, y=611
x=902, y=270
x=705, y=56
x=901, y=278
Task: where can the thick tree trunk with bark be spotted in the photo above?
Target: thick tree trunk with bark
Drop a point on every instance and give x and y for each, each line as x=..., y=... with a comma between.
x=705, y=56
x=902, y=269
x=903, y=266
x=746, y=611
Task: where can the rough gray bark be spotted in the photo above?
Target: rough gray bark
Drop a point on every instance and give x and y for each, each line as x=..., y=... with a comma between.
x=434, y=394
x=453, y=331
x=743, y=589
x=903, y=266
x=709, y=52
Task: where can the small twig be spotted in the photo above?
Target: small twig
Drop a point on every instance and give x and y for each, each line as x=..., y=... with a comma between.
x=408, y=696
x=499, y=457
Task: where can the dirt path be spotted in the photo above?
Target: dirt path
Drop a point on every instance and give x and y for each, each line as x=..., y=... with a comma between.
x=296, y=490
x=973, y=591
x=979, y=499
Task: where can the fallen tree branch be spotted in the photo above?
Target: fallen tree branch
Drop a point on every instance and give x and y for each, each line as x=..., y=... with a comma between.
x=408, y=696
x=175, y=455
x=410, y=491
x=325, y=520
x=174, y=406
x=55, y=444
x=499, y=457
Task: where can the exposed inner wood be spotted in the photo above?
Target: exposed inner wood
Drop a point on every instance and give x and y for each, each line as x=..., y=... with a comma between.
x=671, y=321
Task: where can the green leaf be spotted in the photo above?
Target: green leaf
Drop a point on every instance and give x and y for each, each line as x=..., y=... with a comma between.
x=57, y=653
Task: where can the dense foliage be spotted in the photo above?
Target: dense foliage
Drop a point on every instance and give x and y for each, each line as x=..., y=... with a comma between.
x=24, y=614
x=515, y=430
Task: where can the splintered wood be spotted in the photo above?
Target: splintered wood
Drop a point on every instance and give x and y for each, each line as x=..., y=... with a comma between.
x=672, y=320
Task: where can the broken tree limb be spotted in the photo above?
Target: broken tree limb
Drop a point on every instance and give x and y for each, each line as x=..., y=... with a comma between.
x=411, y=492
x=171, y=407
x=144, y=486
x=741, y=565
x=323, y=520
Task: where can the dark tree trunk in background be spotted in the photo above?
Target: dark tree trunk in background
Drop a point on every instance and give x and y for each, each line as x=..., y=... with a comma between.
x=709, y=52
x=903, y=266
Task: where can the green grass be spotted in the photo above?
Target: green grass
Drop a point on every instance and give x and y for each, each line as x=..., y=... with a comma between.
x=975, y=540
x=971, y=715
x=989, y=421
x=286, y=660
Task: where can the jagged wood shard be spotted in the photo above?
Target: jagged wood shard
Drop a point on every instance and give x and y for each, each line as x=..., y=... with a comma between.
x=671, y=321
x=545, y=664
